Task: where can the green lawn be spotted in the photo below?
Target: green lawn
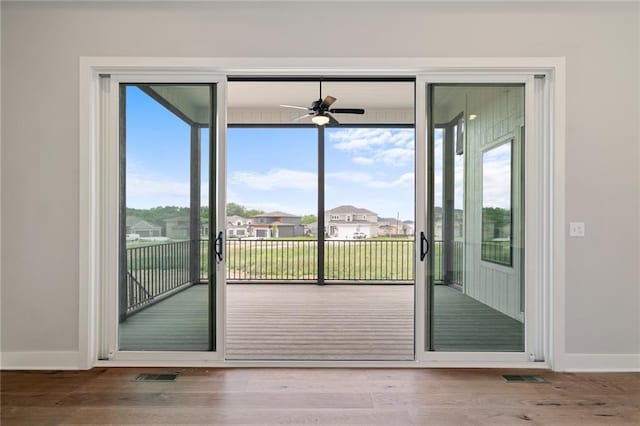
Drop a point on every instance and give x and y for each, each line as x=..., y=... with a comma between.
x=280, y=259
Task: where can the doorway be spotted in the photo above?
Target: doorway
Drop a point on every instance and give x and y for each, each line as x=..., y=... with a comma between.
x=323, y=266
x=456, y=277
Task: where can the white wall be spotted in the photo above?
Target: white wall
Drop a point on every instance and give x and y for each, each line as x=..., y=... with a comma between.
x=41, y=44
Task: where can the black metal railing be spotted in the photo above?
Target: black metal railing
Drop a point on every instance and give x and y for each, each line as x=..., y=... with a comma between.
x=272, y=260
x=345, y=260
x=369, y=260
x=458, y=262
x=154, y=271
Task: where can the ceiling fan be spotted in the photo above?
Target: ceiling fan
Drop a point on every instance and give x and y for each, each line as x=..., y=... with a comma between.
x=321, y=112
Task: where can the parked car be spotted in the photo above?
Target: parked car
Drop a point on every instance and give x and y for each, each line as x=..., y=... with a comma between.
x=359, y=235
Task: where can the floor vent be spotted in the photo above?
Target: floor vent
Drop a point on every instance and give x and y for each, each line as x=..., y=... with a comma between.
x=523, y=379
x=156, y=378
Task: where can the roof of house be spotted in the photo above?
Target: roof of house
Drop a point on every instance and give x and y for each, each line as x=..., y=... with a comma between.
x=346, y=209
x=133, y=221
x=236, y=218
x=276, y=214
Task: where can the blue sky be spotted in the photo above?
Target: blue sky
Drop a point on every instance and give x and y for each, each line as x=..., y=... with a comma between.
x=276, y=169
x=270, y=169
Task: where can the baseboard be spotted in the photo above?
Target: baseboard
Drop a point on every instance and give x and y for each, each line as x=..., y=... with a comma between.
x=71, y=360
x=601, y=362
x=40, y=360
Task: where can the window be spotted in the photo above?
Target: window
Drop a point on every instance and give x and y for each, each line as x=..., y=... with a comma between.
x=496, y=205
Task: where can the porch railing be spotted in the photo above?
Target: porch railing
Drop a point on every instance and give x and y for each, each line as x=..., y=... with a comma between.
x=156, y=271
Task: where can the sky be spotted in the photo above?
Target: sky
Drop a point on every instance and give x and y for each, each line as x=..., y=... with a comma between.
x=276, y=168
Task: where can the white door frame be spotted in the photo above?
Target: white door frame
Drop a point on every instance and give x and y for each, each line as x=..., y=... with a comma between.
x=96, y=171
x=107, y=347
x=535, y=206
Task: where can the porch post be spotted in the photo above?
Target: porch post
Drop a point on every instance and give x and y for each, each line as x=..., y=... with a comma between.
x=194, y=210
x=320, y=205
x=123, y=276
x=448, y=213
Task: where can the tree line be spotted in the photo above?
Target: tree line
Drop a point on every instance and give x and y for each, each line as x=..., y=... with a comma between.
x=158, y=215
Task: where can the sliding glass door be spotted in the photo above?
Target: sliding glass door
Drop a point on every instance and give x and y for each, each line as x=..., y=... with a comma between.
x=475, y=218
x=168, y=212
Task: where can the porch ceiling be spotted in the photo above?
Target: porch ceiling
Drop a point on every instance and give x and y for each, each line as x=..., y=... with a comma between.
x=259, y=101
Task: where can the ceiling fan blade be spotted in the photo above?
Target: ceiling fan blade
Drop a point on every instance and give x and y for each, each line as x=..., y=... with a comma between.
x=347, y=111
x=300, y=117
x=296, y=107
x=332, y=120
x=328, y=101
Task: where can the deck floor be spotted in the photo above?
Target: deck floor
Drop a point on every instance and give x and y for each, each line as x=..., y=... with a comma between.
x=307, y=322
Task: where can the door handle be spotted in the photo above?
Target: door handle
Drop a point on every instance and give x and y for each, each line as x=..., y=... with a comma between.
x=424, y=246
x=219, y=246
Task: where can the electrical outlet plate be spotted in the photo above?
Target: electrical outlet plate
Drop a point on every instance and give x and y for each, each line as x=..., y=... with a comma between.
x=576, y=229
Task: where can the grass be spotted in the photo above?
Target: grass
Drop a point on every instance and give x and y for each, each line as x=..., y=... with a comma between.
x=279, y=260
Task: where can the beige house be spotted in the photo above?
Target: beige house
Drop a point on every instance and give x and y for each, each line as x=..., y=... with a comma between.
x=347, y=222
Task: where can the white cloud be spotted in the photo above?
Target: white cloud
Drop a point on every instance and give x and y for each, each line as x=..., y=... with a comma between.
x=394, y=147
x=365, y=161
x=405, y=180
x=276, y=179
x=146, y=190
x=395, y=156
x=351, y=176
x=360, y=139
x=367, y=180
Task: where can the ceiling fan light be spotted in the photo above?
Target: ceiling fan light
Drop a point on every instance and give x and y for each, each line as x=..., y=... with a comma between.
x=320, y=119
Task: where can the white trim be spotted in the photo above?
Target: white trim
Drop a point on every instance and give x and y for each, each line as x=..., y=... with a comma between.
x=458, y=69
x=339, y=66
x=554, y=260
x=42, y=360
x=420, y=218
x=175, y=362
x=108, y=213
x=221, y=214
x=535, y=243
x=601, y=362
x=534, y=208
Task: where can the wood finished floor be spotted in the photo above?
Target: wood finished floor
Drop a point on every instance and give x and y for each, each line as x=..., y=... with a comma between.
x=306, y=322
x=318, y=396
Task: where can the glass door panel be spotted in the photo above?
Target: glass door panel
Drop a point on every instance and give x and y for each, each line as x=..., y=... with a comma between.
x=476, y=210
x=166, y=286
x=369, y=201
x=272, y=190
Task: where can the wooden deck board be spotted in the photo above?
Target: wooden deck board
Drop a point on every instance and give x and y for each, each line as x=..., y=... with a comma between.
x=307, y=322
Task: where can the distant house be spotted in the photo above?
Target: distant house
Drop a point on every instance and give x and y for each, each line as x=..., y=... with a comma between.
x=141, y=228
x=277, y=224
x=409, y=227
x=238, y=226
x=388, y=226
x=179, y=228
x=350, y=221
x=311, y=229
